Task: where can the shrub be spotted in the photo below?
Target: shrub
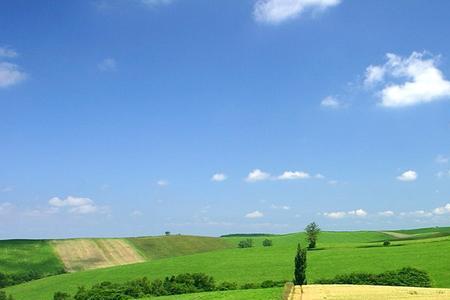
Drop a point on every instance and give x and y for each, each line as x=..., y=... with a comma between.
x=386, y=243
x=3, y=296
x=13, y=279
x=227, y=286
x=403, y=277
x=249, y=286
x=267, y=243
x=248, y=243
x=61, y=296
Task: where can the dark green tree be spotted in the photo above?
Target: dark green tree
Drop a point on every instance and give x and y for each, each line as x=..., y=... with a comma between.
x=267, y=243
x=300, y=266
x=312, y=232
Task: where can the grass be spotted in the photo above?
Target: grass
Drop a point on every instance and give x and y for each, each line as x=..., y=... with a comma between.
x=259, y=294
x=337, y=253
x=176, y=245
x=19, y=256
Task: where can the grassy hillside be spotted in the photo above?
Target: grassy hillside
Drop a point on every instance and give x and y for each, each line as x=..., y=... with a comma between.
x=337, y=253
x=19, y=256
x=261, y=294
x=176, y=245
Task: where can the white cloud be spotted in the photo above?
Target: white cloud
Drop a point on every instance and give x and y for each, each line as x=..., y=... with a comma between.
x=408, y=176
x=333, y=182
x=441, y=159
x=442, y=174
x=331, y=102
x=76, y=205
x=218, y=177
x=292, y=175
x=417, y=214
x=7, y=52
x=386, y=213
x=162, y=183
x=335, y=215
x=374, y=74
x=408, y=80
x=107, y=65
x=276, y=11
x=358, y=213
x=257, y=175
x=10, y=74
x=254, y=215
x=319, y=176
x=442, y=210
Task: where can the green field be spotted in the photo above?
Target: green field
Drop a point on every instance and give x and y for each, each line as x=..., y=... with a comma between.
x=260, y=294
x=337, y=253
x=170, y=246
x=19, y=256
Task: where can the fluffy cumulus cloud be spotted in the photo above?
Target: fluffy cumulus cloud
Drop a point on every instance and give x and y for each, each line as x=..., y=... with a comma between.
x=107, y=65
x=331, y=102
x=360, y=213
x=276, y=11
x=292, y=175
x=75, y=205
x=407, y=81
x=254, y=215
x=408, y=176
x=218, y=177
x=257, y=175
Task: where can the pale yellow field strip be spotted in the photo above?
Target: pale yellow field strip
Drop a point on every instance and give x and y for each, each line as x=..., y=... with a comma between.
x=364, y=292
x=398, y=234
x=85, y=254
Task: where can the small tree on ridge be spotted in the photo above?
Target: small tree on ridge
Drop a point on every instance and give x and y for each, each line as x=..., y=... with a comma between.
x=312, y=233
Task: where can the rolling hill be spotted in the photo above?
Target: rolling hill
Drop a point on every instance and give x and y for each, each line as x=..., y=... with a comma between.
x=337, y=253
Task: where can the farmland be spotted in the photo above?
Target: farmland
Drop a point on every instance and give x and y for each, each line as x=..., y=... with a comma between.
x=336, y=253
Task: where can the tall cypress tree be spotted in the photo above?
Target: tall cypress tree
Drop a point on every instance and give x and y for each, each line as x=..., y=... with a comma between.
x=300, y=266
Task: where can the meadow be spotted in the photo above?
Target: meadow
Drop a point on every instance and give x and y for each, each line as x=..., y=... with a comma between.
x=336, y=253
x=20, y=256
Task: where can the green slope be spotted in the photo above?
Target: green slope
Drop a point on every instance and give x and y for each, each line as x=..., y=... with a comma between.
x=19, y=256
x=260, y=294
x=176, y=245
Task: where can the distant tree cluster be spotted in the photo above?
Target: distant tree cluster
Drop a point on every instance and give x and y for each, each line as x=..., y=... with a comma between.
x=247, y=243
x=403, y=277
x=13, y=279
x=174, y=285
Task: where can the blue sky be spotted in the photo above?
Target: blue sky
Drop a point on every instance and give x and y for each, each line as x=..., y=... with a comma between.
x=122, y=118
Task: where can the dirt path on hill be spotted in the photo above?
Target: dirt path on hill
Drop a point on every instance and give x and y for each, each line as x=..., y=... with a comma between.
x=85, y=254
x=366, y=292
